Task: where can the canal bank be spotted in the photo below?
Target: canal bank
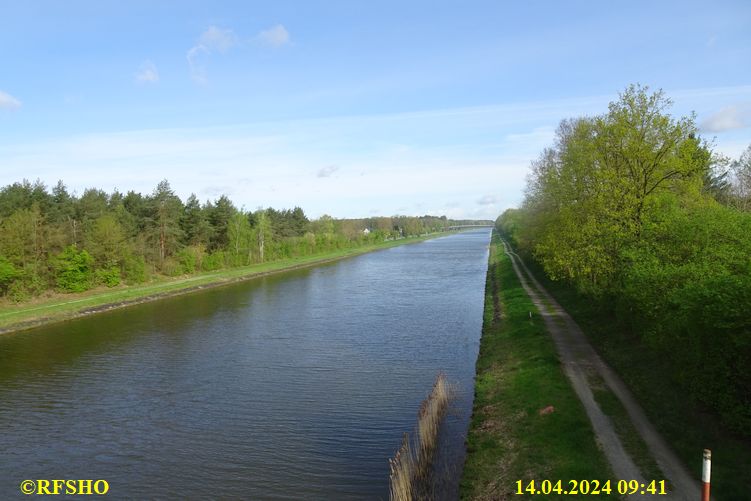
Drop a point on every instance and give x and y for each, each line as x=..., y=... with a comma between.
x=63, y=307
x=527, y=423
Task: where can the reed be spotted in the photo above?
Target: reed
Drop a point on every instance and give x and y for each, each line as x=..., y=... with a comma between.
x=402, y=467
x=410, y=466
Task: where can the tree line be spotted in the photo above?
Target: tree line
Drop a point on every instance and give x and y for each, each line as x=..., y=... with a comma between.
x=53, y=240
x=634, y=209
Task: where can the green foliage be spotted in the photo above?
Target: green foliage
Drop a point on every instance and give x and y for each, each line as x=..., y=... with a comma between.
x=287, y=223
x=17, y=292
x=108, y=276
x=164, y=210
x=187, y=259
x=194, y=223
x=158, y=234
x=24, y=237
x=219, y=215
x=263, y=232
x=22, y=284
x=688, y=292
x=106, y=241
x=23, y=195
x=74, y=270
x=241, y=239
x=213, y=261
x=134, y=269
x=591, y=196
x=8, y=273
x=625, y=209
x=171, y=267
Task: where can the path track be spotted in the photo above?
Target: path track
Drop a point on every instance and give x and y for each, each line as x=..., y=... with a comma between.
x=579, y=359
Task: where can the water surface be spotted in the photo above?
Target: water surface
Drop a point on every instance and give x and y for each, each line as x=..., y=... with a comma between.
x=296, y=385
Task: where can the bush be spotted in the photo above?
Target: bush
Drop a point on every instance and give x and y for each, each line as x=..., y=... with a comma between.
x=214, y=261
x=108, y=276
x=134, y=269
x=8, y=273
x=17, y=292
x=73, y=269
x=191, y=258
x=687, y=293
x=171, y=268
x=187, y=260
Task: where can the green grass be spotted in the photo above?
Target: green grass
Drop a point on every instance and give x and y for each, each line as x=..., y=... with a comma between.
x=64, y=306
x=686, y=425
x=518, y=373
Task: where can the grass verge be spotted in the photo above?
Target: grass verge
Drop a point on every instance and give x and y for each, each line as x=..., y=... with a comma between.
x=518, y=374
x=686, y=425
x=14, y=317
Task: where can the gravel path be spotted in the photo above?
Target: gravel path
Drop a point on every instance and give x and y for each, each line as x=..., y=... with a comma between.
x=579, y=359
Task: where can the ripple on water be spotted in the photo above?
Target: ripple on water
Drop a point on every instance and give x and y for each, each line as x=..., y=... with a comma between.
x=290, y=386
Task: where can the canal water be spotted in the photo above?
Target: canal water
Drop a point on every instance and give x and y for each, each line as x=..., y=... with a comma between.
x=293, y=386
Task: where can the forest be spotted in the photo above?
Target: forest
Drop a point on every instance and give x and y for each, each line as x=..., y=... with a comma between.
x=635, y=210
x=55, y=241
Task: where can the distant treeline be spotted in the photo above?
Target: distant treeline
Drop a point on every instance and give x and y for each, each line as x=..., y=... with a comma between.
x=59, y=241
x=633, y=209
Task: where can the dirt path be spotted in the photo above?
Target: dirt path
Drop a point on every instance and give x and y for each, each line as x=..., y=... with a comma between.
x=579, y=359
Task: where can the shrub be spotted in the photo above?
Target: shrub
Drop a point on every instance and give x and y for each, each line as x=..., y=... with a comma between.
x=73, y=269
x=108, y=276
x=213, y=261
x=134, y=269
x=171, y=268
x=8, y=273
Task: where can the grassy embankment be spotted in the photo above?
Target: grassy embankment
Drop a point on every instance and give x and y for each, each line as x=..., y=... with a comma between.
x=684, y=424
x=518, y=374
x=612, y=407
x=65, y=306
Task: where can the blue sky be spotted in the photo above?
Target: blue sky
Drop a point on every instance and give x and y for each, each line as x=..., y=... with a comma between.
x=347, y=108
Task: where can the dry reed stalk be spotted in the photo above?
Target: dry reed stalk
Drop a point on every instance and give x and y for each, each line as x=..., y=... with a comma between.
x=401, y=465
x=411, y=469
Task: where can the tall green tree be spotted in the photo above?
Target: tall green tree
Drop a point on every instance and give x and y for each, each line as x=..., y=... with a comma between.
x=107, y=242
x=219, y=215
x=23, y=239
x=92, y=205
x=165, y=210
x=592, y=195
x=194, y=222
x=263, y=232
x=24, y=195
x=241, y=239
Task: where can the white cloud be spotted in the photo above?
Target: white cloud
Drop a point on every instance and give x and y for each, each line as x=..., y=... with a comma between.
x=544, y=135
x=8, y=102
x=197, y=69
x=327, y=171
x=138, y=160
x=729, y=118
x=487, y=200
x=455, y=155
x=211, y=41
x=276, y=36
x=147, y=73
x=217, y=40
